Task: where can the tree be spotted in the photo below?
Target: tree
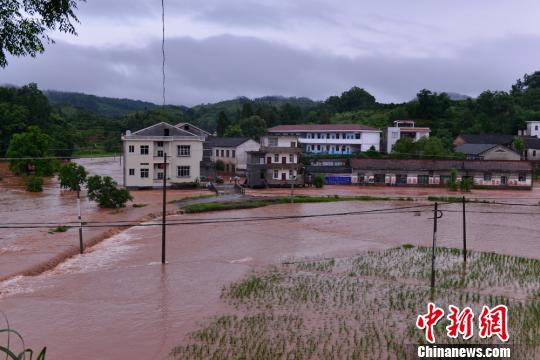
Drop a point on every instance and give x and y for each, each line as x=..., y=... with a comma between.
x=34, y=183
x=72, y=176
x=519, y=145
x=373, y=153
x=318, y=181
x=30, y=150
x=222, y=123
x=233, y=130
x=25, y=24
x=253, y=126
x=452, y=182
x=404, y=147
x=105, y=192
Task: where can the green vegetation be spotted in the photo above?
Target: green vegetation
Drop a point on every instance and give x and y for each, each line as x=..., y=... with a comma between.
x=255, y=203
x=59, y=229
x=139, y=205
x=466, y=183
x=105, y=191
x=72, y=176
x=25, y=147
x=33, y=183
x=220, y=165
x=452, y=182
x=25, y=25
x=311, y=309
x=318, y=181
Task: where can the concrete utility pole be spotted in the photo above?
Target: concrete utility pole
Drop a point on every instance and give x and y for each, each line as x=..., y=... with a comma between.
x=80, y=221
x=164, y=217
x=292, y=189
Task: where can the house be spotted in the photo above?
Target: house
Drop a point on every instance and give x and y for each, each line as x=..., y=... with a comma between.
x=533, y=129
x=277, y=163
x=532, y=148
x=402, y=129
x=232, y=151
x=331, y=138
x=144, y=156
x=485, y=173
x=487, y=152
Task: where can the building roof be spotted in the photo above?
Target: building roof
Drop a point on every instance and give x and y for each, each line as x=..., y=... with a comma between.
x=473, y=149
x=531, y=142
x=214, y=141
x=440, y=165
x=160, y=130
x=500, y=139
x=321, y=127
x=192, y=129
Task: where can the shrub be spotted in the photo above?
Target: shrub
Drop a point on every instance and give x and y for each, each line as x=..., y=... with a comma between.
x=105, y=192
x=60, y=228
x=72, y=176
x=34, y=183
x=318, y=181
x=186, y=185
x=220, y=165
x=466, y=184
x=452, y=182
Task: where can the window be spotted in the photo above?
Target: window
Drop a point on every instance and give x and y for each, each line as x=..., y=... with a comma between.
x=144, y=149
x=522, y=177
x=487, y=176
x=291, y=158
x=293, y=144
x=144, y=173
x=272, y=141
x=131, y=148
x=160, y=176
x=227, y=153
x=165, y=132
x=395, y=134
x=217, y=153
x=233, y=153
x=357, y=135
x=276, y=174
x=534, y=152
x=276, y=158
x=290, y=174
x=160, y=143
x=222, y=153
x=319, y=147
x=183, y=150
x=536, y=127
x=160, y=153
x=183, y=171
x=131, y=172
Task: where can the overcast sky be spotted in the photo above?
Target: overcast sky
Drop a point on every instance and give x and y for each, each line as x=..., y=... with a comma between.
x=220, y=49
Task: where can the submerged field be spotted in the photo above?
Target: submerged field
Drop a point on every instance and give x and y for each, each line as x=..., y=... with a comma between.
x=365, y=307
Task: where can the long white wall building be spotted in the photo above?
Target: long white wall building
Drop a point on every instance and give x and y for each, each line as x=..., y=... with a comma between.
x=341, y=139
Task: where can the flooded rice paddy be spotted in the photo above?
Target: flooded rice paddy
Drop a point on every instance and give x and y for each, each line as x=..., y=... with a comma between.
x=117, y=301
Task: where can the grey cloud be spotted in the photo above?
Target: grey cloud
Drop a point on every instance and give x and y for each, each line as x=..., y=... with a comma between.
x=223, y=67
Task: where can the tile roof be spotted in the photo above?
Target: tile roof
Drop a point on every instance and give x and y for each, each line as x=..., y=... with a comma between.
x=214, y=141
x=500, y=139
x=192, y=129
x=321, y=127
x=531, y=142
x=159, y=130
x=473, y=149
x=433, y=165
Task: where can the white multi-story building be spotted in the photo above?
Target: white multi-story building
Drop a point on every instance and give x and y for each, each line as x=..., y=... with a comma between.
x=402, y=129
x=339, y=139
x=277, y=163
x=533, y=128
x=144, y=156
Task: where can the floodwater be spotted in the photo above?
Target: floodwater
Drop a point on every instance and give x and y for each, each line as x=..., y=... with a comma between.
x=117, y=301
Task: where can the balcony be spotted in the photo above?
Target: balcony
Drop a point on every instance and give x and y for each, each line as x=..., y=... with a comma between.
x=331, y=141
x=288, y=166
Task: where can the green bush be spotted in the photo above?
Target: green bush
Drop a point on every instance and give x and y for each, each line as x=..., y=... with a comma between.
x=452, y=182
x=34, y=183
x=220, y=165
x=466, y=184
x=318, y=181
x=105, y=192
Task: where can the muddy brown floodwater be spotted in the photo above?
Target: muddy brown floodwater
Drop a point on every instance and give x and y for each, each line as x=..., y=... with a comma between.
x=118, y=302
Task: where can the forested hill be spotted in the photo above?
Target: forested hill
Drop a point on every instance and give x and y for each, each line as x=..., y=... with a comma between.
x=101, y=106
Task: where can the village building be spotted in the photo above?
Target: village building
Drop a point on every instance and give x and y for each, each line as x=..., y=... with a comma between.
x=484, y=173
x=531, y=150
x=487, y=152
x=333, y=170
x=402, y=129
x=499, y=139
x=232, y=151
x=144, y=151
x=193, y=129
x=333, y=139
x=277, y=163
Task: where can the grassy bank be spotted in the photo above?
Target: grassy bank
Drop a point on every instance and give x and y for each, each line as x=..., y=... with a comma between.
x=255, y=203
x=365, y=307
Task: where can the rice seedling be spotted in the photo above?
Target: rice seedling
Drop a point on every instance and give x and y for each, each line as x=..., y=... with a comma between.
x=365, y=306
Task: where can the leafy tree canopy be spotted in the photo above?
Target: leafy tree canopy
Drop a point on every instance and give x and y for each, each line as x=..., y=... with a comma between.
x=72, y=176
x=25, y=147
x=106, y=193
